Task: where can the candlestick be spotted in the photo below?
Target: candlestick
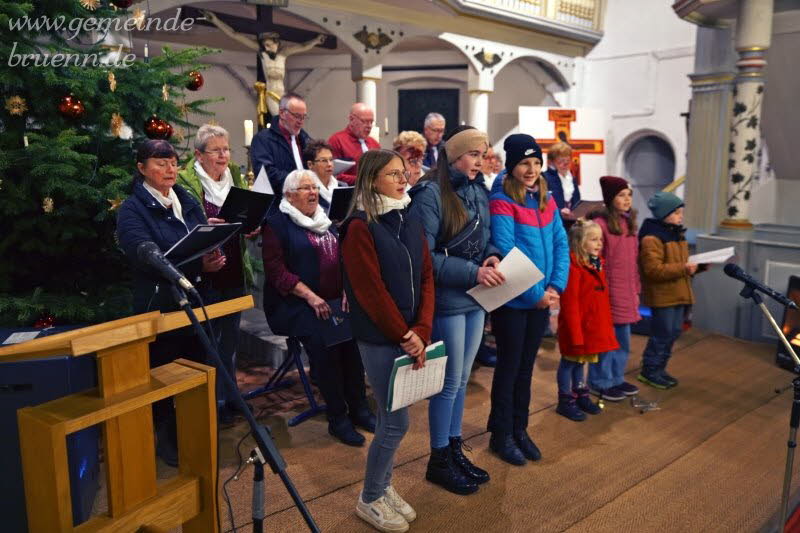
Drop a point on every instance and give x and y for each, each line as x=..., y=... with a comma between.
x=250, y=175
x=248, y=132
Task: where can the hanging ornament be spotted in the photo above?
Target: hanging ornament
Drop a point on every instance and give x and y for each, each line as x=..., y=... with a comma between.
x=16, y=105
x=122, y=4
x=157, y=128
x=116, y=124
x=183, y=109
x=91, y=5
x=44, y=322
x=195, y=80
x=71, y=107
x=115, y=203
x=180, y=135
x=47, y=205
x=112, y=82
x=138, y=18
x=165, y=92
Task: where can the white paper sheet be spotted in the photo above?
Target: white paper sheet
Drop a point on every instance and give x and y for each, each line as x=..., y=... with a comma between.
x=262, y=183
x=521, y=274
x=340, y=165
x=714, y=256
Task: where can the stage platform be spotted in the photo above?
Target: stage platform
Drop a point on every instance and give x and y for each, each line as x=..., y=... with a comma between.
x=712, y=459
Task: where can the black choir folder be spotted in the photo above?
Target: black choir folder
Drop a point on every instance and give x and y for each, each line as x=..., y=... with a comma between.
x=340, y=203
x=336, y=329
x=245, y=206
x=201, y=240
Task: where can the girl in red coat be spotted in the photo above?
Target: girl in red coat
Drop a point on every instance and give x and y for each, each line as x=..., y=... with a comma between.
x=585, y=328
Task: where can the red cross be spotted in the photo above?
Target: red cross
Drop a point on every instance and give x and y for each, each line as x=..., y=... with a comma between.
x=562, y=119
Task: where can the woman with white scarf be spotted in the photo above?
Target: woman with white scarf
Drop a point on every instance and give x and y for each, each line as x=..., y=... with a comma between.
x=300, y=248
x=318, y=156
x=209, y=177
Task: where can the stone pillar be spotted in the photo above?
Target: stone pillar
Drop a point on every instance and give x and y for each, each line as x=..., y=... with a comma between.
x=479, y=86
x=366, y=79
x=753, y=32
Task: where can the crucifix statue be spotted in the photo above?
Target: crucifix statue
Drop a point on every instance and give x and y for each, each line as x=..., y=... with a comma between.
x=273, y=54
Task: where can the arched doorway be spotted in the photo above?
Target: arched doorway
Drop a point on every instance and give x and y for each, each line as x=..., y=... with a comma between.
x=649, y=165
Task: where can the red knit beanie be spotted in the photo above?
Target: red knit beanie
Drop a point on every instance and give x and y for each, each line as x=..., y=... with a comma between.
x=612, y=186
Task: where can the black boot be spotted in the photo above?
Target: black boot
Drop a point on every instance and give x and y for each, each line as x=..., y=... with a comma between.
x=479, y=475
x=584, y=401
x=342, y=429
x=363, y=418
x=503, y=445
x=526, y=445
x=443, y=471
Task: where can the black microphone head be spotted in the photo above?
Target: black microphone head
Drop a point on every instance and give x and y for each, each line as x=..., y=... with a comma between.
x=146, y=248
x=733, y=270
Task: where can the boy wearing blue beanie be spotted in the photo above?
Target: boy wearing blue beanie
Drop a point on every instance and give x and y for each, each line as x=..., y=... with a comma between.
x=666, y=275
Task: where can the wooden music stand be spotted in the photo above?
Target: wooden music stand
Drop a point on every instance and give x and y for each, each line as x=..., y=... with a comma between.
x=121, y=402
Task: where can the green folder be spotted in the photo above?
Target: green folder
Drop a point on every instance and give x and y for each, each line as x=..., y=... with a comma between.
x=420, y=384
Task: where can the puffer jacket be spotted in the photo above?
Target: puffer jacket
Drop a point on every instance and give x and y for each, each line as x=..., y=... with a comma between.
x=621, y=255
x=663, y=254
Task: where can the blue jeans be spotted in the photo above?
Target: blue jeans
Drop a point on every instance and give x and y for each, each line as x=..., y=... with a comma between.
x=666, y=327
x=462, y=336
x=569, y=376
x=610, y=370
x=378, y=362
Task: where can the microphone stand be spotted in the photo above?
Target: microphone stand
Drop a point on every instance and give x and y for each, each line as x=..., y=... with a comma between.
x=794, y=420
x=265, y=445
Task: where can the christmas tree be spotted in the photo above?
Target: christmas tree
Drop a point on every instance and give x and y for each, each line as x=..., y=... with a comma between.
x=71, y=116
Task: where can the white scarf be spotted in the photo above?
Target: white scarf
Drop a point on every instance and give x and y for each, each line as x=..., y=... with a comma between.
x=327, y=192
x=568, y=185
x=167, y=202
x=319, y=223
x=389, y=204
x=215, y=191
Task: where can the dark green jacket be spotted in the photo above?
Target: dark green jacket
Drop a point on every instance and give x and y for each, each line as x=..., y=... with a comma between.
x=189, y=180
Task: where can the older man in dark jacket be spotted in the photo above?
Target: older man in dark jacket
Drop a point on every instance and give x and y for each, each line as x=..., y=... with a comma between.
x=279, y=148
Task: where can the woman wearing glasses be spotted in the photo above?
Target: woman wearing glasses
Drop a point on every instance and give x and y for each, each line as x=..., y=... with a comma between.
x=453, y=205
x=300, y=248
x=389, y=283
x=209, y=176
x=318, y=156
x=411, y=145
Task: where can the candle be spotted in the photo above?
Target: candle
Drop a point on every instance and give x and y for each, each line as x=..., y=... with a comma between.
x=146, y=51
x=25, y=140
x=248, y=132
x=386, y=125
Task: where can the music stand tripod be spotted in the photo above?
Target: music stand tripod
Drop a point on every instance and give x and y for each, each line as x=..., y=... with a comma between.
x=794, y=420
x=266, y=446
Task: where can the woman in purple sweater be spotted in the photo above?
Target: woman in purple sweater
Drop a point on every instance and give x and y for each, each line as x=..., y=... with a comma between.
x=620, y=252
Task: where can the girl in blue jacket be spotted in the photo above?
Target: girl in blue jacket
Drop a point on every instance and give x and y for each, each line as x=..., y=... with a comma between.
x=525, y=216
x=453, y=206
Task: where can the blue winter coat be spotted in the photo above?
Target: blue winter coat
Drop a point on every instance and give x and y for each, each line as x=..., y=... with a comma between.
x=141, y=218
x=539, y=235
x=555, y=187
x=453, y=276
x=271, y=150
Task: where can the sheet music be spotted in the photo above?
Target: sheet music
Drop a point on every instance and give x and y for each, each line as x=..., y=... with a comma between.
x=262, y=183
x=521, y=274
x=714, y=256
x=340, y=165
x=409, y=386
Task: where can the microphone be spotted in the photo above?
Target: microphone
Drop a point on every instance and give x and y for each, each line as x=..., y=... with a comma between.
x=736, y=272
x=150, y=254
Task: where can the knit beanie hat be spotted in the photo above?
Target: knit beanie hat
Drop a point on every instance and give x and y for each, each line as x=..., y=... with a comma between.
x=663, y=203
x=612, y=186
x=520, y=146
x=465, y=141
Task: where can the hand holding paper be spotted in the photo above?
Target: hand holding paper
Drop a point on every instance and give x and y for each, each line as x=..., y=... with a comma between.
x=520, y=274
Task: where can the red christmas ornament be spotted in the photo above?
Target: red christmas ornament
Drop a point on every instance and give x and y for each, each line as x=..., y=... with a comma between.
x=195, y=80
x=157, y=128
x=71, y=107
x=45, y=322
x=122, y=4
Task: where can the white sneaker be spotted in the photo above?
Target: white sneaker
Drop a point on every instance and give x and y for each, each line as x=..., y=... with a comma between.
x=399, y=504
x=380, y=515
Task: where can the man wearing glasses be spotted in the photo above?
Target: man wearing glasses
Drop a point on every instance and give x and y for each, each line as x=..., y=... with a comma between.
x=433, y=131
x=354, y=140
x=278, y=148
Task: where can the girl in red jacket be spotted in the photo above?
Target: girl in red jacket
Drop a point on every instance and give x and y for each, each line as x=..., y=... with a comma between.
x=585, y=328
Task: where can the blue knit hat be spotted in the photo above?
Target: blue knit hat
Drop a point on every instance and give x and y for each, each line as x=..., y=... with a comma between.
x=663, y=203
x=520, y=146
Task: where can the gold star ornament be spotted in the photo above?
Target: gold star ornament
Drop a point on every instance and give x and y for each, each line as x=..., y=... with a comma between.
x=165, y=92
x=116, y=124
x=16, y=105
x=115, y=203
x=47, y=205
x=91, y=5
x=138, y=17
x=112, y=82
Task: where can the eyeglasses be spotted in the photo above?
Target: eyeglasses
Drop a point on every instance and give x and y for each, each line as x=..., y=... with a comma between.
x=325, y=160
x=398, y=175
x=308, y=188
x=416, y=161
x=436, y=130
x=218, y=151
x=298, y=116
x=365, y=122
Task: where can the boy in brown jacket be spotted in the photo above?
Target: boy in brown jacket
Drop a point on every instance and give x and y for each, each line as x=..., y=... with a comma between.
x=666, y=284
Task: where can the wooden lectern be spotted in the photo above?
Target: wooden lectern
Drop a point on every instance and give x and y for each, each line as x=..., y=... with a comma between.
x=121, y=402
